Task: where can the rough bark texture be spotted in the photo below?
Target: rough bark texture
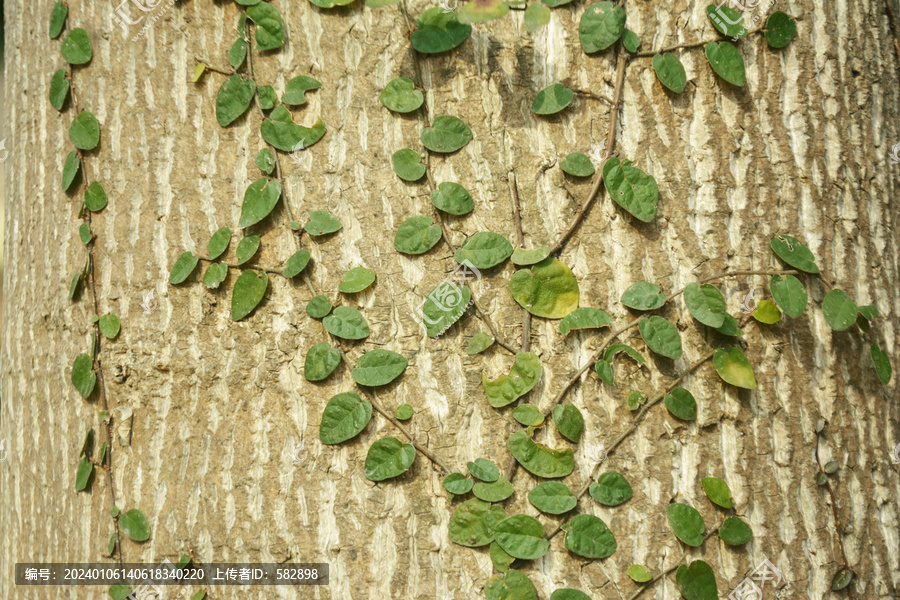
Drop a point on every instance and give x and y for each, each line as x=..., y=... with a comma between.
x=219, y=407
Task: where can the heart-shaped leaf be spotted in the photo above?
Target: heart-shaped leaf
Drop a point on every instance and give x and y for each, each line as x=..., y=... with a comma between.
x=687, y=524
x=730, y=327
x=727, y=62
x=766, y=312
x=401, y=95
x=681, y=404
x=789, y=294
x=794, y=253
x=522, y=536
x=780, y=29
x=526, y=258
x=569, y=421
x=506, y=389
x=265, y=161
x=577, y=165
x=549, y=289
x=321, y=361
x=882, y=364
x=408, y=165
x=59, y=89
x=439, y=30
x=183, y=267
x=484, y=469
x=611, y=489
x=296, y=88
x=840, y=311
x=319, y=307
x=479, y=343
x=247, y=248
x=726, y=20
x=296, y=263
x=321, y=223
x=735, y=532
x=233, y=99
x=248, y=292
x=734, y=368
x=601, y=26
x=237, y=54
x=95, y=197
x=538, y=459
x=259, y=200
x=404, y=412
x=706, y=303
x=484, y=250
x=356, y=280
x=717, y=490
x=446, y=134
x=457, y=484
x=588, y=536
x=347, y=323
x=215, y=275
x=553, y=99
x=76, y=48
x=661, y=337
x=417, y=235
x=472, y=525
x=344, y=417
x=84, y=132
x=697, y=581
x=670, y=72
x=452, y=198
x=218, y=243
x=631, y=41
x=135, y=525
x=269, y=26
x=378, y=367
x=280, y=131
x=85, y=234
x=58, y=19
x=70, y=169
x=83, y=377
x=388, y=458
x=632, y=189
x=109, y=325
x=497, y=491
x=552, y=498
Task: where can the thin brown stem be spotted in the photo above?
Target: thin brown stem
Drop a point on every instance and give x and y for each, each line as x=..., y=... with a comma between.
x=837, y=521
x=594, y=96
x=214, y=69
x=689, y=45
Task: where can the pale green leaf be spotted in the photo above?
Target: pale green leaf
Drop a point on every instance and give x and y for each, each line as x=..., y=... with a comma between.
x=484, y=469
x=408, y=165
x=706, y=303
x=549, y=289
x=569, y=421
x=766, y=312
x=553, y=99
x=686, y=523
x=452, y=198
x=319, y=307
x=538, y=459
x=631, y=188
x=135, y=525
x=109, y=325
x=233, y=99
x=457, y=484
x=601, y=26
x=269, y=26
x=480, y=342
x=584, y=318
x=59, y=89
x=401, y=95
x=552, y=497
x=506, y=389
x=95, y=198
x=717, y=491
x=280, y=131
x=439, y=30
x=321, y=361
x=473, y=522
x=76, y=48
x=882, y=364
x=321, y=223
x=526, y=258
x=259, y=200
x=446, y=134
x=444, y=306
x=522, y=536
x=484, y=250
x=734, y=368
x=497, y=491
x=296, y=263
x=296, y=88
x=356, y=280
x=510, y=586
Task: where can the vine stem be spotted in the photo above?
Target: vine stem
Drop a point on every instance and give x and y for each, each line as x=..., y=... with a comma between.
x=242, y=267
x=520, y=238
x=688, y=45
x=837, y=521
x=671, y=569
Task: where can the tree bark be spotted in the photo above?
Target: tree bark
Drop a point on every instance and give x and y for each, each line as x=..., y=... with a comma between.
x=220, y=407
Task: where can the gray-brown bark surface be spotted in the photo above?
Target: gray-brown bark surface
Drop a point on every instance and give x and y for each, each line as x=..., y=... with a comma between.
x=219, y=407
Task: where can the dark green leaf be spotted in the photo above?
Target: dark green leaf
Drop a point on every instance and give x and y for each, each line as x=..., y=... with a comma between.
x=446, y=134
x=247, y=248
x=484, y=469
x=344, y=417
x=95, y=197
x=726, y=20
x=237, y=53
x=549, y=289
x=735, y=532
x=706, y=303
x=522, y=536
x=780, y=29
x=511, y=586
x=321, y=223
x=882, y=364
x=388, y=458
x=59, y=89
x=734, y=368
x=717, y=491
x=120, y=591
x=790, y=295
x=452, y=198
x=611, y=489
x=248, y=292
x=681, y=404
x=85, y=131
x=480, y=342
x=76, y=48
x=401, y=95
x=109, y=325
x=457, y=484
x=280, y=131
x=588, y=536
x=577, y=165
x=233, y=99
x=687, y=524
x=260, y=198
x=552, y=497
x=321, y=361
x=730, y=327
x=58, y=19
x=484, y=250
x=538, y=459
x=841, y=579
x=267, y=97
x=497, y=491
x=270, y=29
x=726, y=60
x=569, y=421
x=265, y=161
x=439, y=30
x=601, y=26
x=473, y=522
x=378, y=367
x=296, y=263
x=615, y=349
x=840, y=311
x=183, y=268
x=794, y=253
x=408, y=165
x=84, y=232
x=553, y=99
x=631, y=41
x=417, y=235
x=506, y=389
x=319, y=307
x=661, y=337
x=500, y=558
x=347, y=323
x=85, y=468
x=831, y=467
x=632, y=189
x=218, y=243
x=70, y=169
x=296, y=88
x=643, y=295
x=76, y=281
x=604, y=371
x=135, y=525
x=697, y=581
x=670, y=72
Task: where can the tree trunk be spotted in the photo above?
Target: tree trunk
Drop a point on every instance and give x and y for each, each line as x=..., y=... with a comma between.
x=224, y=455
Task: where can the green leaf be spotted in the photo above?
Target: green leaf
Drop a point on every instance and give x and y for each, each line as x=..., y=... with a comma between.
x=120, y=591
x=681, y=404
x=528, y=415
x=58, y=19
x=794, y=253
x=500, y=558
x=484, y=250
x=511, y=586
x=661, y=337
x=347, y=323
x=388, y=458
x=109, y=325
x=452, y=198
x=111, y=546
x=840, y=311
x=76, y=281
x=473, y=522
x=536, y=16
x=59, y=89
x=444, y=306
x=497, y=491
x=522, y=536
x=296, y=263
x=643, y=295
x=552, y=497
x=479, y=343
x=727, y=62
x=267, y=97
x=697, y=581
x=215, y=275
x=380, y=3
x=482, y=11
x=790, y=295
x=553, y=99
x=506, y=389
x=321, y=361
x=670, y=72
x=76, y=48
x=882, y=364
x=247, y=248
x=270, y=29
x=631, y=41
x=260, y=198
x=84, y=232
x=319, y=307
x=356, y=280
x=538, y=459
x=248, y=292
x=577, y=165
x=408, y=165
x=344, y=417
x=611, y=489
x=439, y=30
x=569, y=421
x=237, y=53
x=321, y=223
x=233, y=99
x=457, y=484
x=632, y=189
x=85, y=468
x=84, y=132
x=199, y=595
x=70, y=169
x=401, y=95
x=604, y=371
x=404, y=412
x=183, y=268
x=730, y=327
x=639, y=574
x=780, y=29
x=378, y=367
x=526, y=258
x=767, y=313
x=265, y=161
x=706, y=303
x=735, y=532
x=636, y=399
x=446, y=134
x=841, y=579
x=134, y=524
x=549, y=289
x=588, y=536
x=717, y=491
x=602, y=24
x=734, y=368
x=726, y=20
x=615, y=349
x=686, y=523
x=95, y=197
x=484, y=469
x=584, y=318
x=280, y=131
x=332, y=3
x=218, y=243
x=296, y=88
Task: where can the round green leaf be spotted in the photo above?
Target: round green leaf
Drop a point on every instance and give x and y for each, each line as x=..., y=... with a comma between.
x=401, y=95
x=767, y=313
x=388, y=458
x=296, y=88
x=726, y=20
x=109, y=325
x=319, y=307
x=446, y=134
x=631, y=41
x=601, y=26
x=76, y=48
x=58, y=19
x=500, y=558
x=498, y=491
x=344, y=417
x=780, y=29
x=70, y=169
x=247, y=248
x=404, y=412
x=134, y=524
x=681, y=404
x=717, y=490
x=85, y=131
x=588, y=536
x=408, y=165
x=549, y=289
x=59, y=89
x=296, y=263
x=218, y=243
x=706, y=303
x=727, y=62
x=484, y=469
x=480, y=342
x=794, y=253
x=248, y=292
x=378, y=367
x=552, y=497
x=269, y=26
x=473, y=522
x=522, y=536
x=267, y=97
x=83, y=474
x=356, y=280
x=484, y=250
x=670, y=72
x=280, y=131
x=636, y=399
x=538, y=459
x=643, y=295
x=686, y=523
x=321, y=361
x=735, y=532
x=831, y=467
x=457, y=484
x=536, y=15
x=840, y=311
x=439, y=30
x=841, y=579
x=506, y=389
x=789, y=294
x=584, y=318
x=347, y=323
x=553, y=99
x=510, y=586
x=734, y=368
x=661, y=337
x=183, y=268
x=259, y=200
x=569, y=421
x=639, y=573
x=215, y=275
x=233, y=99
x=444, y=306
x=882, y=364
x=528, y=415
x=697, y=581
x=632, y=189
x=452, y=198
x=611, y=489
x=321, y=223
x=265, y=161
x=526, y=258
x=577, y=165
x=95, y=197
x=237, y=53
